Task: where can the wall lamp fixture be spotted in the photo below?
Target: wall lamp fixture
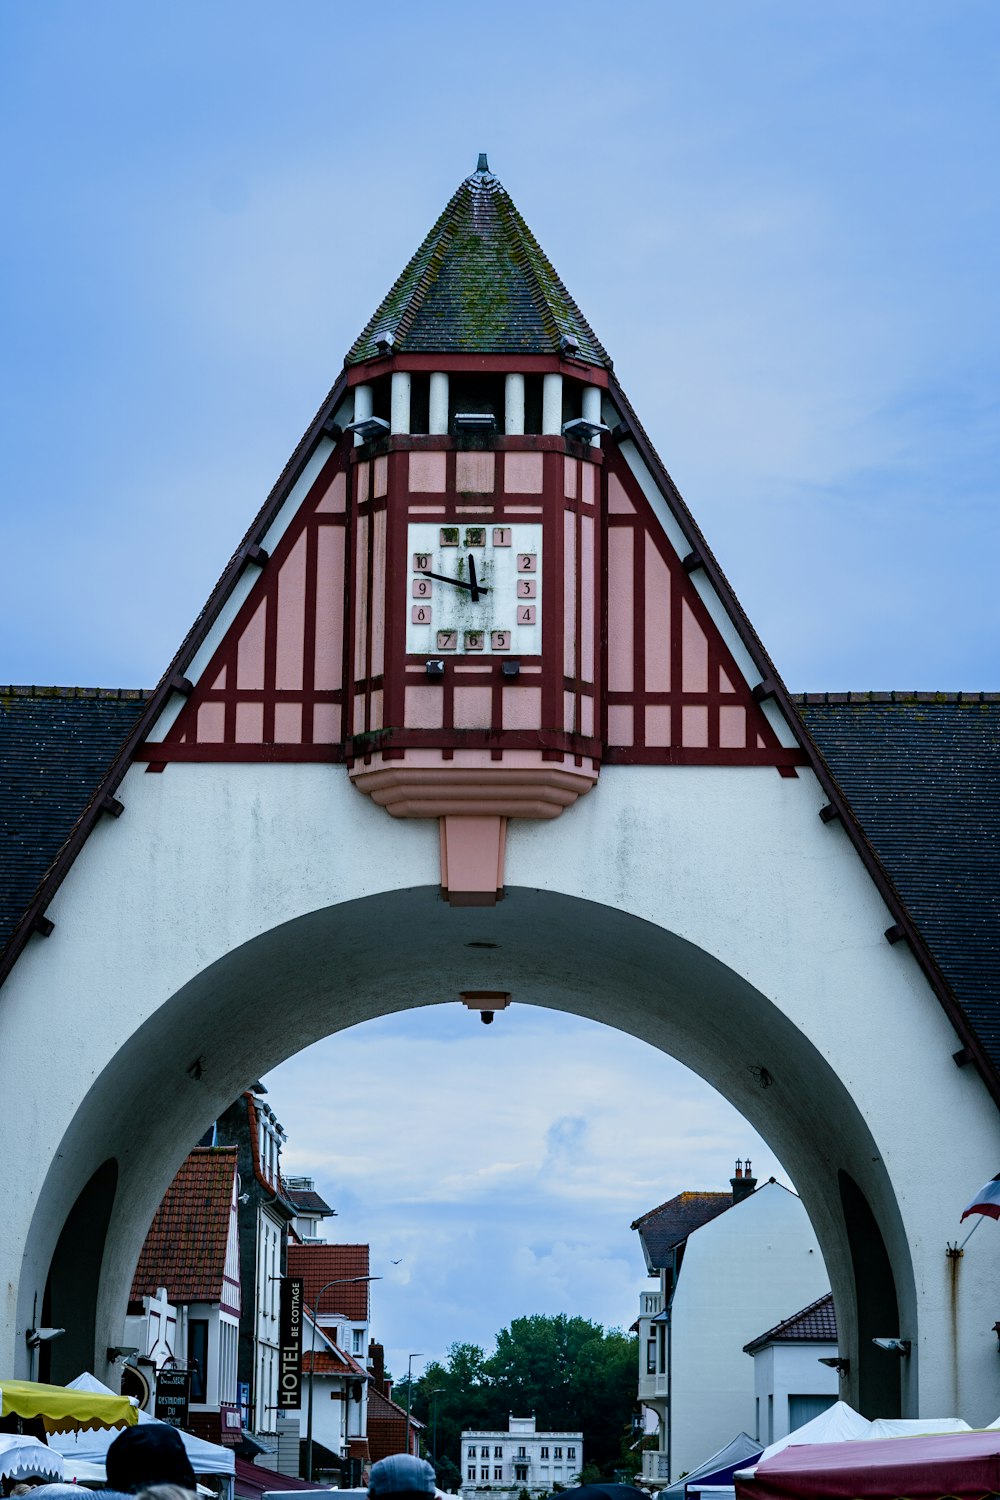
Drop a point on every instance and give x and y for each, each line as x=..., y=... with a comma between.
x=893, y=1346
x=842, y=1366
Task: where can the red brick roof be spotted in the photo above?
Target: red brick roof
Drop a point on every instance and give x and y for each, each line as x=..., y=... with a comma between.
x=333, y=1362
x=318, y=1264
x=387, y=1427
x=185, y=1249
x=815, y=1324
x=665, y=1227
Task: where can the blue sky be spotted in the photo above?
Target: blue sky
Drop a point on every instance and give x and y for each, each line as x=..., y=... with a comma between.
x=782, y=221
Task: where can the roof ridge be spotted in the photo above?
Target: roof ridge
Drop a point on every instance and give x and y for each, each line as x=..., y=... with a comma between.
x=896, y=695
x=113, y=695
x=687, y=1193
x=793, y=1318
x=525, y=240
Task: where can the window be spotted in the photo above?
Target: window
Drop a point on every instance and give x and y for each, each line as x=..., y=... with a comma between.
x=484, y=1475
x=484, y=1452
x=197, y=1354
x=522, y=1452
x=650, y=1356
x=357, y=1336
x=804, y=1408
x=557, y=1453
x=472, y=1473
x=498, y=1451
x=498, y=1471
x=472, y=1452
x=570, y=1452
x=545, y=1451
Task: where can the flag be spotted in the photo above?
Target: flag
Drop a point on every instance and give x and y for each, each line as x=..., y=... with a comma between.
x=986, y=1201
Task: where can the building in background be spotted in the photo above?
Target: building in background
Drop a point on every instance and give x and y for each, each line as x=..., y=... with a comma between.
x=390, y=1428
x=185, y=1302
x=792, y=1384
x=520, y=1459
x=310, y=1210
x=727, y=1264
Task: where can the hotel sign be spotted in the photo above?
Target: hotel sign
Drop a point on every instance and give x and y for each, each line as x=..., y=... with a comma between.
x=290, y=1344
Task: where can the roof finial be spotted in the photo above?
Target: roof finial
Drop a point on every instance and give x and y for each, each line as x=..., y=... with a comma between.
x=484, y=165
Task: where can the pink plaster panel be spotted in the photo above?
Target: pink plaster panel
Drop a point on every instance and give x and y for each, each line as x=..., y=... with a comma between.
x=588, y=586
x=571, y=471
x=522, y=708
x=361, y=600
x=335, y=499
x=473, y=707
x=620, y=730
x=211, y=723
x=428, y=473
x=475, y=473
x=288, y=723
x=364, y=481
x=621, y=611
x=569, y=712
x=725, y=686
x=381, y=476
x=657, y=624
x=250, y=652
x=424, y=708
x=290, y=634
x=220, y=681
x=760, y=742
x=588, y=482
x=694, y=726
x=694, y=653
x=472, y=850
x=523, y=473
x=327, y=719
x=377, y=713
x=329, y=663
x=359, y=714
x=732, y=727
x=569, y=599
x=619, y=503
x=249, y=723
x=657, y=725
x=586, y=715
x=378, y=593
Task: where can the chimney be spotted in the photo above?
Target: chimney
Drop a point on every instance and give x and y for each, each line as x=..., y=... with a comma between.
x=376, y=1363
x=742, y=1184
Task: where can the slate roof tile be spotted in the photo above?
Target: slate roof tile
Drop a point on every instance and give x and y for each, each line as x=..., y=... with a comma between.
x=55, y=746
x=185, y=1249
x=307, y=1201
x=480, y=283
x=665, y=1227
x=815, y=1324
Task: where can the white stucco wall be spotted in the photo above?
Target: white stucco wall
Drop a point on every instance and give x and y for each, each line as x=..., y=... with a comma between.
x=707, y=910
x=784, y=1370
x=755, y=1264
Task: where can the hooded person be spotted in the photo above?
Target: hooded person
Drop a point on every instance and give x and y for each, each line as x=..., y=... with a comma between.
x=151, y=1453
x=401, y=1476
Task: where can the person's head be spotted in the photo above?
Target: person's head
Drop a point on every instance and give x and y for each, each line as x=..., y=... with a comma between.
x=151, y=1453
x=402, y=1477
x=163, y=1492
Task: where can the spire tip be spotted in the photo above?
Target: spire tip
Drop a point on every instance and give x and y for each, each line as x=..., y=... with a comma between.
x=483, y=165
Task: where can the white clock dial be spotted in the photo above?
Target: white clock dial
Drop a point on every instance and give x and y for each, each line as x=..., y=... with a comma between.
x=474, y=589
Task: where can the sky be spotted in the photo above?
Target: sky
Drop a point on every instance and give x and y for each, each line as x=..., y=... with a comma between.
x=780, y=218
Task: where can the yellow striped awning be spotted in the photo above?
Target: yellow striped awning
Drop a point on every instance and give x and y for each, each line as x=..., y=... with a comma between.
x=64, y=1410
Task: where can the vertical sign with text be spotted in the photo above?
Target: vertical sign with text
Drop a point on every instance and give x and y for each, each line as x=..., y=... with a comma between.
x=173, y=1396
x=290, y=1344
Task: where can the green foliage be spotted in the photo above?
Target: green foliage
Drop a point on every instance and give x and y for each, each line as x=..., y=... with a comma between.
x=571, y=1373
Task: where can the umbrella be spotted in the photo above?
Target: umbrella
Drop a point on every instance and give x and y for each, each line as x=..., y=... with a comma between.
x=63, y=1410
x=28, y=1458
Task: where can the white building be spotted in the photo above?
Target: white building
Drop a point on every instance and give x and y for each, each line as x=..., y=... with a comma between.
x=520, y=1459
x=792, y=1382
x=726, y=1263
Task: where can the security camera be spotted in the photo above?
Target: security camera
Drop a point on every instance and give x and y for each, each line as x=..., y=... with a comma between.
x=893, y=1346
x=486, y=1016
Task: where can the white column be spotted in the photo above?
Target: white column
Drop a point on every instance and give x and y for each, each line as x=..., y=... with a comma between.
x=552, y=404
x=363, y=407
x=592, y=409
x=438, y=422
x=513, y=423
x=399, y=404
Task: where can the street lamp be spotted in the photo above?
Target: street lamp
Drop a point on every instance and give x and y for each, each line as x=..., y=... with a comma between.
x=337, y=1281
x=409, y=1393
x=435, y=1393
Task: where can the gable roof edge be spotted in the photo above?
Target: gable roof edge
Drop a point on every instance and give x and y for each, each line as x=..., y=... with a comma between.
x=838, y=800
x=92, y=812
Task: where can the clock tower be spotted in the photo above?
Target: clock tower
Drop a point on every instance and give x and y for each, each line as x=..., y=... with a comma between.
x=477, y=583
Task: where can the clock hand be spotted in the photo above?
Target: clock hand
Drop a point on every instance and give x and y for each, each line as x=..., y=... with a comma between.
x=472, y=580
x=458, y=582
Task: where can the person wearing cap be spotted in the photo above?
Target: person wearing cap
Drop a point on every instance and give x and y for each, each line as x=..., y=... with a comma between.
x=403, y=1477
x=151, y=1453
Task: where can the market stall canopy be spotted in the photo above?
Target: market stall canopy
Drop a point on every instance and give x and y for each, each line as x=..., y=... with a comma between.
x=92, y=1447
x=27, y=1458
x=965, y=1465
x=63, y=1408
x=741, y=1452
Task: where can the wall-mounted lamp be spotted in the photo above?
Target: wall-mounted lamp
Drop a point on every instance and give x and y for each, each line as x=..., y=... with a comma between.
x=569, y=345
x=128, y=1354
x=842, y=1366
x=369, y=428
x=893, y=1346
x=486, y=1002
x=475, y=423
x=583, y=430
x=434, y=668
x=36, y=1336
x=509, y=667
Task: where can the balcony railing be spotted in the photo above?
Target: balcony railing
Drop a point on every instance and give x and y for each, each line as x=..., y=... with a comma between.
x=650, y=1303
x=662, y=1387
x=654, y=1466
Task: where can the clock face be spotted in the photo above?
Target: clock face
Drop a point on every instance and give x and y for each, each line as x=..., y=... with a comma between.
x=474, y=590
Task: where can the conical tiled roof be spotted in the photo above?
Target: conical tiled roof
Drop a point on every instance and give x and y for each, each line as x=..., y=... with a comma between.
x=479, y=284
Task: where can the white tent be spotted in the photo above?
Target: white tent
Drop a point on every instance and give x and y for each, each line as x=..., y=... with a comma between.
x=885, y=1427
x=92, y=1447
x=840, y=1423
x=24, y=1457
